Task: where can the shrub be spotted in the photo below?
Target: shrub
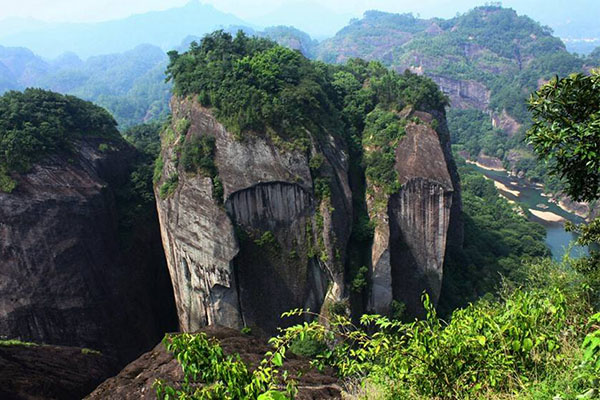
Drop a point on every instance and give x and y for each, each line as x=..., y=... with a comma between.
x=197, y=154
x=168, y=188
x=158, y=168
x=267, y=239
x=509, y=345
x=211, y=374
x=307, y=346
x=15, y=342
x=7, y=184
x=360, y=280
x=92, y=352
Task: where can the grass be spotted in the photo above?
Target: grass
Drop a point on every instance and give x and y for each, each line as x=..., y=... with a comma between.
x=15, y=342
x=87, y=351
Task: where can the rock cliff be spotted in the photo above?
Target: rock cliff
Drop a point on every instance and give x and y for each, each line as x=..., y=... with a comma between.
x=259, y=237
x=269, y=241
x=67, y=277
x=415, y=227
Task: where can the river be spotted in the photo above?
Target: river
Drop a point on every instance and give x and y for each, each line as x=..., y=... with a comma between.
x=557, y=239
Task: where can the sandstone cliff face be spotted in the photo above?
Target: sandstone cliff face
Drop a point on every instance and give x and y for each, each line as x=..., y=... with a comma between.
x=416, y=226
x=270, y=243
x=66, y=278
x=464, y=94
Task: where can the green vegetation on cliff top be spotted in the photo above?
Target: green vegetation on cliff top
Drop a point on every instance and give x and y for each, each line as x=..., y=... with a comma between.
x=35, y=123
x=255, y=85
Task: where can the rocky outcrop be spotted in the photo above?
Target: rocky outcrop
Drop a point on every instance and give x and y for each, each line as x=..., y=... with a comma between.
x=67, y=277
x=508, y=124
x=464, y=94
x=51, y=372
x=413, y=226
x=135, y=381
x=270, y=242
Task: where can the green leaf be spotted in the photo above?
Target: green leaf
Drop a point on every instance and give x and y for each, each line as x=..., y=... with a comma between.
x=277, y=360
x=272, y=395
x=481, y=340
x=516, y=345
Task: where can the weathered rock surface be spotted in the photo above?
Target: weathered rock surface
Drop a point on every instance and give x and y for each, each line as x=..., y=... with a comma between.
x=135, y=380
x=51, y=372
x=269, y=245
x=464, y=94
x=67, y=278
x=505, y=122
x=413, y=227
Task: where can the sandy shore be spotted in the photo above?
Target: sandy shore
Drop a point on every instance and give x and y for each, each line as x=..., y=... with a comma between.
x=480, y=165
x=547, y=216
x=504, y=188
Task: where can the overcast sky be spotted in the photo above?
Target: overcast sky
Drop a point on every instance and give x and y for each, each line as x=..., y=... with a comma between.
x=545, y=11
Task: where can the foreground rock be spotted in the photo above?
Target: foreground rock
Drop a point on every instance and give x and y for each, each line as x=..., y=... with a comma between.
x=51, y=372
x=68, y=276
x=136, y=379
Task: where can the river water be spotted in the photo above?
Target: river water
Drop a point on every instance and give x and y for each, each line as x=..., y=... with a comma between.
x=557, y=239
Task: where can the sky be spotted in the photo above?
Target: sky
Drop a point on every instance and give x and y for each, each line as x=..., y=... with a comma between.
x=573, y=18
x=99, y=10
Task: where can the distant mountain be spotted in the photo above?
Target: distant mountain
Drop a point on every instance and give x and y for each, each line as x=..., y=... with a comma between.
x=24, y=66
x=161, y=28
x=575, y=22
x=309, y=16
x=14, y=25
x=487, y=60
x=582, y=46
x=130, y=84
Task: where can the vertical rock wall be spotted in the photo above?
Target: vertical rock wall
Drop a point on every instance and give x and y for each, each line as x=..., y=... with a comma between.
x=270, y=244
x=411, y=233
x=66, y=278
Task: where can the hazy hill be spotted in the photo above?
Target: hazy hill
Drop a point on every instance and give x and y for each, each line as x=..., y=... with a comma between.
x=309, y=16
x=130, y=84
x=161, y=28
x=487, y=60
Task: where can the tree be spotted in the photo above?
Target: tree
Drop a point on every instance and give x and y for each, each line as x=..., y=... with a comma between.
x=566, y=131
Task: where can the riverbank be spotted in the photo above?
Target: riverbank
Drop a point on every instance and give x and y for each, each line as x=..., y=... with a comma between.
x=530, y=197
x=547, y=216
x=487, y=167
x=504, y=188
